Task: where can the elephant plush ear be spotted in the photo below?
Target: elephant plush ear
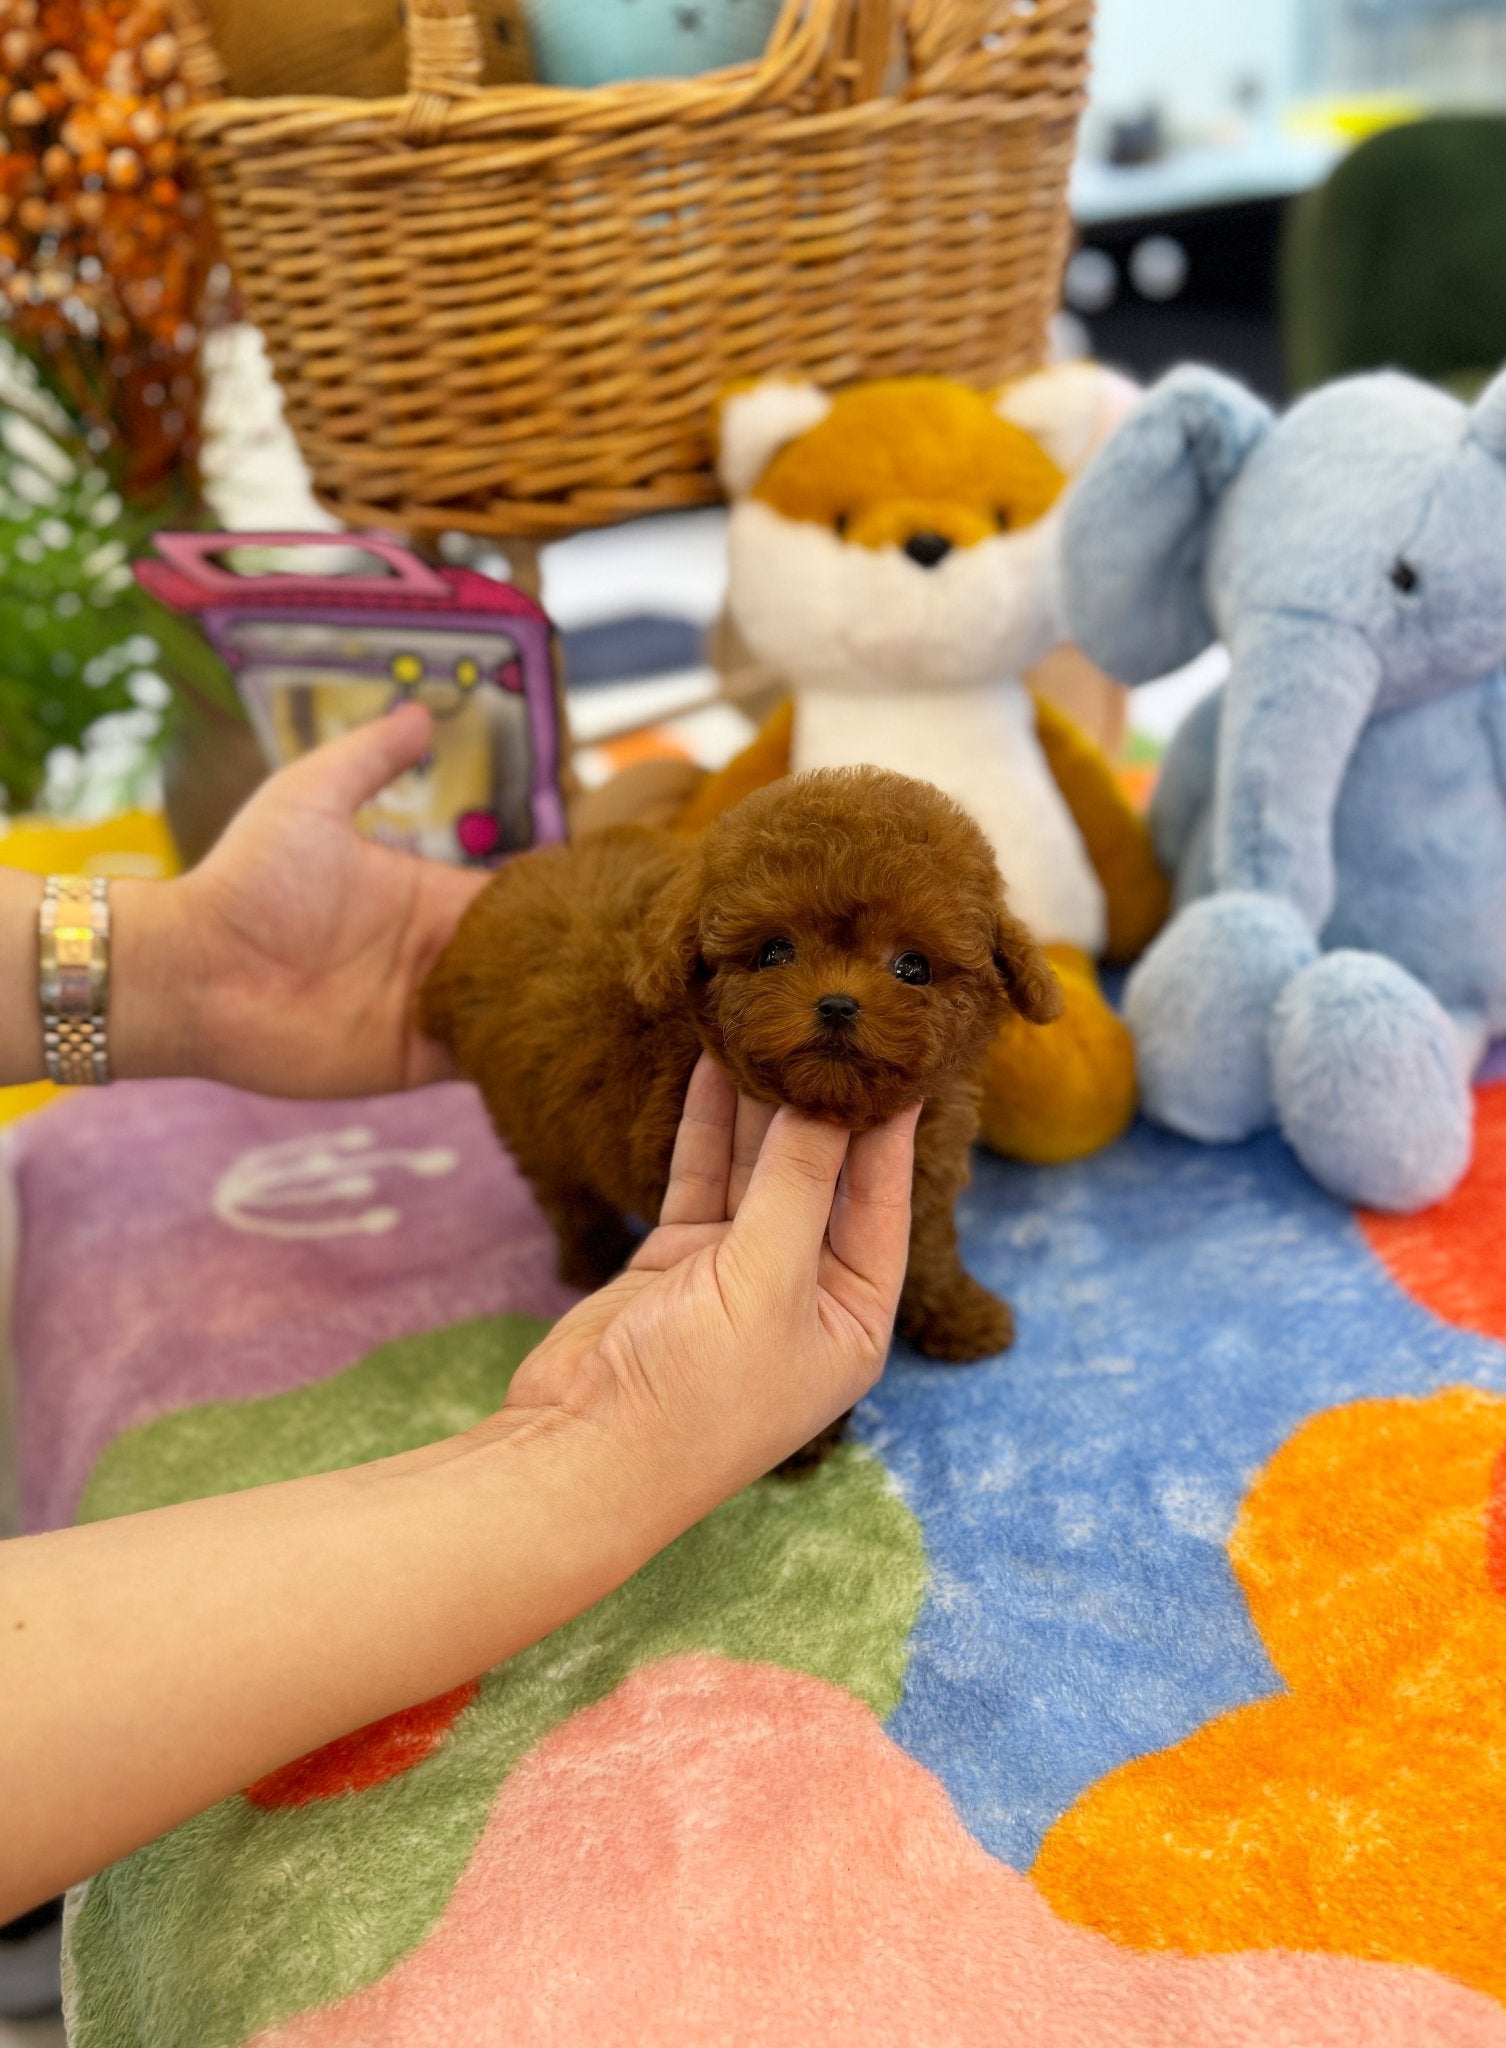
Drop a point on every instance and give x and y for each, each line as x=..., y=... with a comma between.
x=1487, y=419
x=754, y=421
x=1136, y=527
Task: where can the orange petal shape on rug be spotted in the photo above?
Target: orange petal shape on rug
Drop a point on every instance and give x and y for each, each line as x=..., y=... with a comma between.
x=1363, y=1812
x=727, y=1852
x=1450, y=1257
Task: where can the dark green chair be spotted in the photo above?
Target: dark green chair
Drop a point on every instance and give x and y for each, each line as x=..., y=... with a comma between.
x=1399, y=260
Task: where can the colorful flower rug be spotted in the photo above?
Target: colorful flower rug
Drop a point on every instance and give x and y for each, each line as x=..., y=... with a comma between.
x=1144, y=1687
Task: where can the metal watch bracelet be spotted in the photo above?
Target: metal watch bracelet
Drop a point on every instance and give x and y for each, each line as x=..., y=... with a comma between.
x=73, y=980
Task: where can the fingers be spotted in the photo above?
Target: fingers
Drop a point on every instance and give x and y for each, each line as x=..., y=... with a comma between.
x=697, y=1190
x=870, y=1217
x=749, y=1132
x=781, y=1220
x=348, y=772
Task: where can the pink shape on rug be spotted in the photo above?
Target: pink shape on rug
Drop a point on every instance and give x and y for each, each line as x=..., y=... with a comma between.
x=724, y=1852
x=183, y=1243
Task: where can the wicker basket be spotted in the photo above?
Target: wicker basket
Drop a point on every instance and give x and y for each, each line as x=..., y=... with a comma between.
x=509, y=310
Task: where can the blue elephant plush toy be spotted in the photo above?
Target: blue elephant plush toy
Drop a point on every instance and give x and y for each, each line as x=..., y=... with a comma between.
x=1335, y=816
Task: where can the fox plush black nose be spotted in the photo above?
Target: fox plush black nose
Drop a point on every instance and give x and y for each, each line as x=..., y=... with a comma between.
x=837, y=1010
x=928, y=549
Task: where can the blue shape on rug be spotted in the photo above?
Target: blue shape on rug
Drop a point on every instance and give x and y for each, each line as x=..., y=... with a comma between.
x=1181, y=1310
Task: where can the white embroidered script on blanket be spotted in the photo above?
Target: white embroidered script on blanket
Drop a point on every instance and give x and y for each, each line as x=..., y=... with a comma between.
x=272, y=1190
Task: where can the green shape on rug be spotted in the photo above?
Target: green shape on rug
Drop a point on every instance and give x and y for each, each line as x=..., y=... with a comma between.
x=244, y=1917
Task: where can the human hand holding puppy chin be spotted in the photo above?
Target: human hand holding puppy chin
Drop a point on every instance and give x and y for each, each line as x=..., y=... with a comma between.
x=757, y=1313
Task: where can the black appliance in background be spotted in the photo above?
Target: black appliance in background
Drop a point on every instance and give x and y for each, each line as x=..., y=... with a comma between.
x=1198, y=285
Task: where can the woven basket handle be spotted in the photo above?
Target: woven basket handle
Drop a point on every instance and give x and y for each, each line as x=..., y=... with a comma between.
x=444, y=63
x=444, y=48
x=843, y=45
x=873, y=26
x=836, y=40
x=954, y=42
x=199, y=63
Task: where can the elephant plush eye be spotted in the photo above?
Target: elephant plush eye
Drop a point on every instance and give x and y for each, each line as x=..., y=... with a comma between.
x=1001, y=518
x=840, y=524
x=1404, y=576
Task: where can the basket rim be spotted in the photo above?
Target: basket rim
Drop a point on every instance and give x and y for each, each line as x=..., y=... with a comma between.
x=771, y=83
x=557, y=101
x=388, y=151
x=801, y=32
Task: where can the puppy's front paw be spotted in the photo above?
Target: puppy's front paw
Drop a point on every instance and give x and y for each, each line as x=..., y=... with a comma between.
x=963, y=1325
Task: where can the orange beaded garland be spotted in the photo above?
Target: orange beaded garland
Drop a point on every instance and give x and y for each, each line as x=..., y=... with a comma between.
x=106, y=253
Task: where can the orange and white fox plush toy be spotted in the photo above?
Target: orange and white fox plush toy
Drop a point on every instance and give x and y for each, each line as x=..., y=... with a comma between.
x=892, y=558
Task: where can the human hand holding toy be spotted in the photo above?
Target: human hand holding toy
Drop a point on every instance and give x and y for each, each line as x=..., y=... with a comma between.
x=307, y=941
x=289, y=960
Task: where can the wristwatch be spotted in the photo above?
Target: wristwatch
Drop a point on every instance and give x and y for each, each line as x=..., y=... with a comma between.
x=74, y=979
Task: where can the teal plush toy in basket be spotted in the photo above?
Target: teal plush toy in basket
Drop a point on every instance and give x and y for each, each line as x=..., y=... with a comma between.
x=593, y=42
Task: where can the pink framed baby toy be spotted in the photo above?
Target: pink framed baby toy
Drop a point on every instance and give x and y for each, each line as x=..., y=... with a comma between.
x=316, y=650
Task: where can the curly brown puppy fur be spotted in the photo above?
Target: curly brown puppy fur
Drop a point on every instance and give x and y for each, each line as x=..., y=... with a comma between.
x=840, y=943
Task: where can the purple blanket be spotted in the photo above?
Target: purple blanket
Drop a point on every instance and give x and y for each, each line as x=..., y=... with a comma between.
x=185, y=1243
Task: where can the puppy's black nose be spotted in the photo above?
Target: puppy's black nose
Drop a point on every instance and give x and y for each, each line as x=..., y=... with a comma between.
x=928, y=549
x=837, y=1009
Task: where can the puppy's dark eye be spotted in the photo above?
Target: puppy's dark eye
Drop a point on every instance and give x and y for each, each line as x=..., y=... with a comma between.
x=914, y=968
x=775, y=953
x=1404, y=576
x=1001, y=518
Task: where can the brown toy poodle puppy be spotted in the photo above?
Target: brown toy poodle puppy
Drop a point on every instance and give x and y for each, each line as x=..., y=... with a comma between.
x=840, y=943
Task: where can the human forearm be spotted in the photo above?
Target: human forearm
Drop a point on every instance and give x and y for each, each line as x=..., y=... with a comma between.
x=155, y=980
x=153, y=1665
x=20, y=1017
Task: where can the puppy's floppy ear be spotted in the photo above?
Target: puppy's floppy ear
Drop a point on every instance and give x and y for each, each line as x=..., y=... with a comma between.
x=1026, y=973
x=667, y=951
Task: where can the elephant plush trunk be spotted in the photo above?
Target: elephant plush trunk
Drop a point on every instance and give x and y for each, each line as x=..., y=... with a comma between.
x=1300, y=690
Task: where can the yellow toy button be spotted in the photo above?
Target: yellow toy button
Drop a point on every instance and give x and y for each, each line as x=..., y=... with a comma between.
x=407, y=669
x=467, y=674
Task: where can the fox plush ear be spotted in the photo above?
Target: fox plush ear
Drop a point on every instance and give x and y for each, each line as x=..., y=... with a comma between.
x=1070, y=409
x=667, y=953
x=1026, y=973
x=754, y=421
